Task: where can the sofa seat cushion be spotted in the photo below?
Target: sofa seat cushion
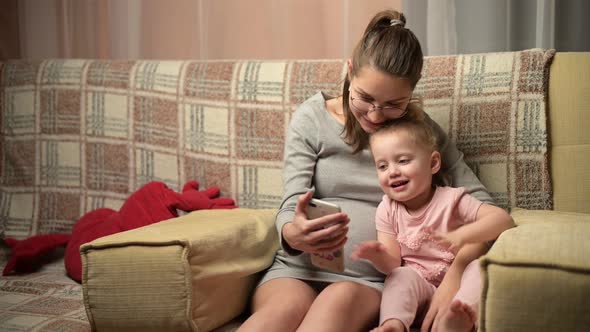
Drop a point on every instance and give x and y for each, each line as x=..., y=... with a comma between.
x=45, y=300
x=191, y=273
x=524, y=216
x=536, y=277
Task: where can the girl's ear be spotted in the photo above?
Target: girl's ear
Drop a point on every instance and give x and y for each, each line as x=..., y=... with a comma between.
x=349, y=66
x=435, y=162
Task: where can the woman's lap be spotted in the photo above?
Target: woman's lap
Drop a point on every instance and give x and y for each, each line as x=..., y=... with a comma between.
x=317, y=305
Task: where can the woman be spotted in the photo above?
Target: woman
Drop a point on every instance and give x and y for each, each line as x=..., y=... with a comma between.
x=326, y=154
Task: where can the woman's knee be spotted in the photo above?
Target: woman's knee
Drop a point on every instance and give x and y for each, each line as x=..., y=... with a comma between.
x=283, y=296
x=346, y=292
x=350, y=305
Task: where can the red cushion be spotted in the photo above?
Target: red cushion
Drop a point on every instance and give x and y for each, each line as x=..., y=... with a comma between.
x=29, y=254
x=91, y=226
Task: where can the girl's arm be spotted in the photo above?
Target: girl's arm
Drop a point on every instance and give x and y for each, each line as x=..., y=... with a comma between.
x=384, y=254
x=490, y=222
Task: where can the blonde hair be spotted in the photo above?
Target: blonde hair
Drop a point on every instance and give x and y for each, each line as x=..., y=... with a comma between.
x=416, y=126
x=388, y=46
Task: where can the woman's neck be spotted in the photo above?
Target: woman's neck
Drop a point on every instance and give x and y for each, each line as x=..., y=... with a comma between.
x=334, y=107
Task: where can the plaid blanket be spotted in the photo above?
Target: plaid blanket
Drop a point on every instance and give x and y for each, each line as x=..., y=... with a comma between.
x=77, y=135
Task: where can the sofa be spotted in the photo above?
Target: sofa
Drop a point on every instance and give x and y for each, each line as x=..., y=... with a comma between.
x=82, y=134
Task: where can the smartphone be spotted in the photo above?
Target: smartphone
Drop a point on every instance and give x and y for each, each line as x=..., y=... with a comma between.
x=332, y=261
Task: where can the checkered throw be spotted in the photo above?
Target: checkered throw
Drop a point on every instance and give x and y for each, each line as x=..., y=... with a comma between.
x=77, y=135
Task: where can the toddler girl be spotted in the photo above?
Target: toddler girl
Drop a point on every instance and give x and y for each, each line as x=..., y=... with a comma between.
x=420, y=227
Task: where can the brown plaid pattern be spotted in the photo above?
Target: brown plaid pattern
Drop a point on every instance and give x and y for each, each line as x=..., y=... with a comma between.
x=493, y=106
x=60, y=112
x=112, y=74
x=90, y=132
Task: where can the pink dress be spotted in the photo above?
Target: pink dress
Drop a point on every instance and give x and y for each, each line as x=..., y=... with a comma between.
x=408, y=289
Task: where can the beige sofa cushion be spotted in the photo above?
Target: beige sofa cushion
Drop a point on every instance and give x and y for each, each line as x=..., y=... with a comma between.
x=524, y=216
x=542, y=266
x=181, y=274
x=569, y=116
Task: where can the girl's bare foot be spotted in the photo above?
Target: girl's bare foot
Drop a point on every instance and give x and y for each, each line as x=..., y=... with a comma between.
x=392, y=325
x=459, y=318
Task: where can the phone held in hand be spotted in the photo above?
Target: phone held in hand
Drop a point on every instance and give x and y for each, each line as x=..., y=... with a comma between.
x=332, y=261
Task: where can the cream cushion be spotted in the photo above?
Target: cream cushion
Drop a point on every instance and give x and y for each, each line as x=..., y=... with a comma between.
x=569, y=119
x=541, y=265
x=524, y=216
x=180, y=274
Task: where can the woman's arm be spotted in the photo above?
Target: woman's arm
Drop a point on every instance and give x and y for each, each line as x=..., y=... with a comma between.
x=450, y=284
x=298, y=168
x=302, y=145
x=461, y=176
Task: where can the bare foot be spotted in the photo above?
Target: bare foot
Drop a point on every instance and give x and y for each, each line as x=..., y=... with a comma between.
x=459, y=318
x=392, y=325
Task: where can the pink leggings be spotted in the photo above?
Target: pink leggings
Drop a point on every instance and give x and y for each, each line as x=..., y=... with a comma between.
x=406, y=294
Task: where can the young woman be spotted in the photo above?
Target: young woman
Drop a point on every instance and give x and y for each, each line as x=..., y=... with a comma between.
x=326, y=153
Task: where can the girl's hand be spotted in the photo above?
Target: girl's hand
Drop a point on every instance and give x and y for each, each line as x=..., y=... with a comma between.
x=452, y=240
x=370, y=250
x=376, y=253
x=323, y=234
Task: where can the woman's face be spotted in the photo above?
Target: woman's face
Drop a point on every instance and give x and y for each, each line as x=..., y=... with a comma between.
x=376, y=97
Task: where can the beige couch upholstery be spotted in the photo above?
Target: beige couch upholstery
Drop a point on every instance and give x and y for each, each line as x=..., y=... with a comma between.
x=83, y=134
x=537, y=275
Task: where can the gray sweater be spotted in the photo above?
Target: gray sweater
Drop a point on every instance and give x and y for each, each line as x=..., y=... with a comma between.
x=317, y=159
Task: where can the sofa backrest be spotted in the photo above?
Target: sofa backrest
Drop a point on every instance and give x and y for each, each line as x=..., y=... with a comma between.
x=77, y=135
x=569, y=116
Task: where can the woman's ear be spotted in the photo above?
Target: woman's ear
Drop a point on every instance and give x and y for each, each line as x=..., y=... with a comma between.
x=435, y=162
x=349, y=67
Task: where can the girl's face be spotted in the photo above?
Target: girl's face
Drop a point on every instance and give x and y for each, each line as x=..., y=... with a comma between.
x=404, y=167
x=376, y=97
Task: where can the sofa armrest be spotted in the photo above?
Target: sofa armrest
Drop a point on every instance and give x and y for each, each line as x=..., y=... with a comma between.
x=536, y=276
x=192, y=273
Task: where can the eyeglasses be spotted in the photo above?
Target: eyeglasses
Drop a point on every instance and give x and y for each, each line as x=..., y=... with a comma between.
x=390, y=112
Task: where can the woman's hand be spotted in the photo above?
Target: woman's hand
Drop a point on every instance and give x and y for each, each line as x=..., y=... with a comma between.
x=323, y=234
x=441, y=300
x=446, y=291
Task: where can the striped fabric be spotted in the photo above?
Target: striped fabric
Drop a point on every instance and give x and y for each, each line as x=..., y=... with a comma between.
x=82, y=134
